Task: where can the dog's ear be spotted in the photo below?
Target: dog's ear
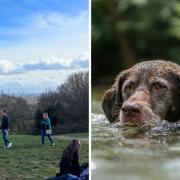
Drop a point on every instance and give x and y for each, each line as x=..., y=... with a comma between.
x=174, y=114
x=108, y=103
x=112, y=99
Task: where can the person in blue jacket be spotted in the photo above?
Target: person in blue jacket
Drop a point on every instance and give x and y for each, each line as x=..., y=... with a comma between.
x=46, y=128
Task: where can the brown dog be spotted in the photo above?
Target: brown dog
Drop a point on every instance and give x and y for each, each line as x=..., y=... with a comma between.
x=147, y=92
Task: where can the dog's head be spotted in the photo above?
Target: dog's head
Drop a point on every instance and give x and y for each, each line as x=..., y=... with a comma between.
x=149, y=91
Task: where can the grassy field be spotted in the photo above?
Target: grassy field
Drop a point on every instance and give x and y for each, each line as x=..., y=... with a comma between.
x=28, y=159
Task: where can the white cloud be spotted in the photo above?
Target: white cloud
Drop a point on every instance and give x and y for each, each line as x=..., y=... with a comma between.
x=81, y=61
x=41, y=35
x=58, y=20
x=48, y=63
x=7, y=67
x=33, y=81
x=48, y=23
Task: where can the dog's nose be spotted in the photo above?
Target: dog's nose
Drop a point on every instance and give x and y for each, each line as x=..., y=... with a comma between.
x=131, y=109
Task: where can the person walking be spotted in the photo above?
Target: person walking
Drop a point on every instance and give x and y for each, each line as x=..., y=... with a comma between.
x=5, y=128
x=46, y=129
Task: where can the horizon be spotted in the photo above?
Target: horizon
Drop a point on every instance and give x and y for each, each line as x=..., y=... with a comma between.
x=25, y=92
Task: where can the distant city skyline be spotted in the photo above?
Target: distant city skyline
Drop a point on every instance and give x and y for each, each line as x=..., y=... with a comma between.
x=41, y=43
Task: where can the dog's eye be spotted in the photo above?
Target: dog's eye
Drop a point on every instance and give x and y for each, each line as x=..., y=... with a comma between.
x=158, y=86
x=129, y=87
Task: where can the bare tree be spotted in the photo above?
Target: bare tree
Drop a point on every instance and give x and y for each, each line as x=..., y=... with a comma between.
x=74, y=96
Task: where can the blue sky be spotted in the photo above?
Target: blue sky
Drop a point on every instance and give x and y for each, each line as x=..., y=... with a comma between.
x=41, y=38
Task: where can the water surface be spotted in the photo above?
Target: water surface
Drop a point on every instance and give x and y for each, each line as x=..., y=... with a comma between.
x=133, y=153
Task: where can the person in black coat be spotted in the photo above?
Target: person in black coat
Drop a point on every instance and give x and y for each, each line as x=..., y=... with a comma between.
x=69, y=163
x=5, y=129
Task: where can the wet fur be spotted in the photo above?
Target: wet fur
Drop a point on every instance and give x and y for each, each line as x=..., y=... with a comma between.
x=168, y=107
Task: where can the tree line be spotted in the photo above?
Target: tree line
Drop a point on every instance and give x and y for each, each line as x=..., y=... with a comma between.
x=67, y=106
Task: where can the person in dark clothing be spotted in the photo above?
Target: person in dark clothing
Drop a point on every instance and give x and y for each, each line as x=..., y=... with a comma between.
x=68, y=166
x=69, y=163
x=5, y=129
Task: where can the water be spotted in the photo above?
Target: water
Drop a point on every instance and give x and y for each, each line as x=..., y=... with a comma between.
x=134, y=153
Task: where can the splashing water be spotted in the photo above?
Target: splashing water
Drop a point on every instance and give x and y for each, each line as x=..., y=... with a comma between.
x=128, y=152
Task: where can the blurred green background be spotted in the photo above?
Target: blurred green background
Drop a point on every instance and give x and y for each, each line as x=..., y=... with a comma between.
x=125, y=32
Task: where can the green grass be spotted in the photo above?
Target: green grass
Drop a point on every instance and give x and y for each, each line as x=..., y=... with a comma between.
x=28, y=159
